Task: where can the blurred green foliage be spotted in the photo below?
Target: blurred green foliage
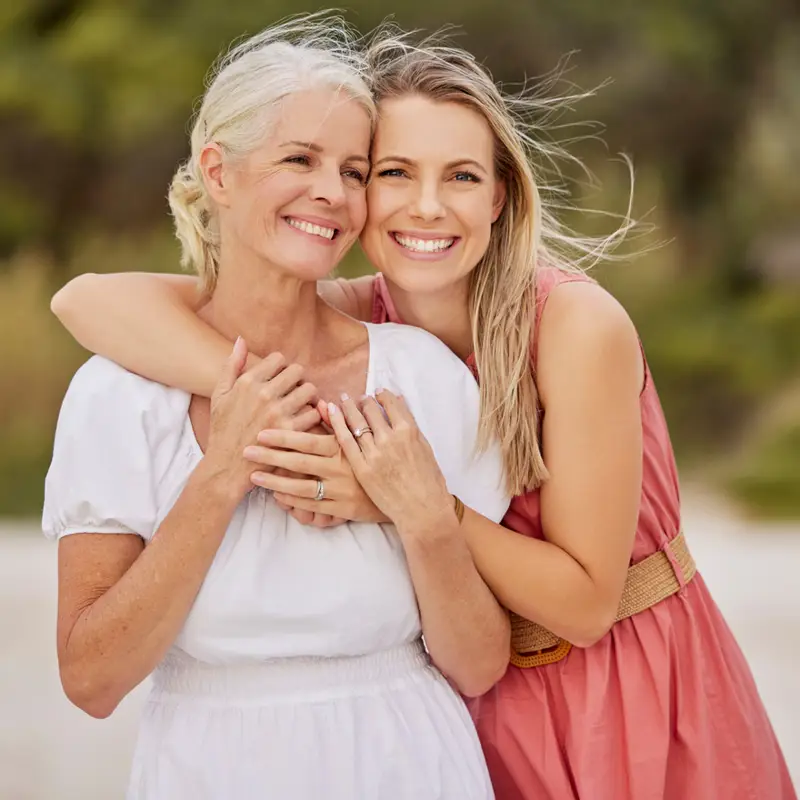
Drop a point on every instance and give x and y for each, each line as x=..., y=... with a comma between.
x=94, y=99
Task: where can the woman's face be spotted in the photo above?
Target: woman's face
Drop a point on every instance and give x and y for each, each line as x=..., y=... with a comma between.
x=299, y=200
x=433, y=196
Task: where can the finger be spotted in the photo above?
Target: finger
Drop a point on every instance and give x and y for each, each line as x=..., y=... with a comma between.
x=306, y=421
x=314, y=444
x=322, y=407
x=284, y=382
x=234, y=365
x=375, y=419
x=395, y=407
x=300, y=463
x=299, y=487
x=344, y=437
x=323, y=521
x=327, y=507
x=303, y=517
x=283, y=506
x=268, y=368
x=355, y=420
x=303, y=395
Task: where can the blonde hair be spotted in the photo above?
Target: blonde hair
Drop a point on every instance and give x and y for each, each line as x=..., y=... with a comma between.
x=243, y=92
x=527, y=234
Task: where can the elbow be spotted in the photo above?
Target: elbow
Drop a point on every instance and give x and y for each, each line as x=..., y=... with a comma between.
x=482, y=674
x=62, y=303
x=478, y=684
x=592, y=628
x=89, y=695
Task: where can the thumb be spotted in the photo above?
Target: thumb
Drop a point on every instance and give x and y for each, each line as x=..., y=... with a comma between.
x=234, y=365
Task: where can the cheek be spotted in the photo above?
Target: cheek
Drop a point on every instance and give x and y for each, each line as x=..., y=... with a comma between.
x=479, y=215
x=380, y=207
x=357, y=208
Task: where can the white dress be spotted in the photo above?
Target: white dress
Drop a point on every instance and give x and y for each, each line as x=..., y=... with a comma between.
x=299, y=673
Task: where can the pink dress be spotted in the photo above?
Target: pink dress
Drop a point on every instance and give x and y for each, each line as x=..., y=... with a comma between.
x=664, y=707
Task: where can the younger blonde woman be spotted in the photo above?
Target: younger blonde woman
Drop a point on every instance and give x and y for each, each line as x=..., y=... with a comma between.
x=626, y=683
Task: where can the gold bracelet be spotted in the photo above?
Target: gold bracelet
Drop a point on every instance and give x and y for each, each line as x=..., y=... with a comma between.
x=458, y=508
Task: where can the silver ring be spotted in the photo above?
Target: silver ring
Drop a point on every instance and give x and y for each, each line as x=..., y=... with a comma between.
x=320, y=490
x=359, y=432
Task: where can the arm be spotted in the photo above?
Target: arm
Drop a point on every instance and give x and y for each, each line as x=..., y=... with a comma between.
x=590, y=375
x=466, y=631
x=148, y=324
x=121, y=604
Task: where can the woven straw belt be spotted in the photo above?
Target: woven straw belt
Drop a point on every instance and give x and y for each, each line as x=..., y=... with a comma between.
x=650, y=581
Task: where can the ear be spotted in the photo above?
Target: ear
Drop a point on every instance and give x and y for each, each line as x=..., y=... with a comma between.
x=213, y=168
x=499, y=201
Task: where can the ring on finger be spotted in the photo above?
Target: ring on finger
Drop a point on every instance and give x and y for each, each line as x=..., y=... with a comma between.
x=359, y=432
x=320, y=495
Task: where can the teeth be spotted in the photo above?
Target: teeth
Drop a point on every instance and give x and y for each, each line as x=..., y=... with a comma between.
x=424, y=245
x=317, y=230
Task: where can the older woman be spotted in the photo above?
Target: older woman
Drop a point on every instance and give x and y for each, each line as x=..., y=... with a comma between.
x=287, y=660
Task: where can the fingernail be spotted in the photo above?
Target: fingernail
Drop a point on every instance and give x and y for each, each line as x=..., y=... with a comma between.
x=250, y=452
x=379, y=390
x=332, y=409
x=345, y=397
x=363, y=398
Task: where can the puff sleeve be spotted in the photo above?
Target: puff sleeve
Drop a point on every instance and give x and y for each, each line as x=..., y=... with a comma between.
x=101, y=478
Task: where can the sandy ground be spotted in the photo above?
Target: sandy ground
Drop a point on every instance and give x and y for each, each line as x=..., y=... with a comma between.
x=51, y=751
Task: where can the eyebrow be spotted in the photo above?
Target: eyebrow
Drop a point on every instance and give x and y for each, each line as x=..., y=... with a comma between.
x=315, y=148
x=459, y=162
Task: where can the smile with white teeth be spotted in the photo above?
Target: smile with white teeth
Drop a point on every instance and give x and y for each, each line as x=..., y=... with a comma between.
x=423, y=245
x=307, y=227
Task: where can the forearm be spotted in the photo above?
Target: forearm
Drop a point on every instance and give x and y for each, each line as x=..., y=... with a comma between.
x=540, y=581
x=466, y=630
x=144, y=325
x=121, y=637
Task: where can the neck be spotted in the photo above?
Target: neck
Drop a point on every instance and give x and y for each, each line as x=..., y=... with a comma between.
x=271, y=311
x=444, y=313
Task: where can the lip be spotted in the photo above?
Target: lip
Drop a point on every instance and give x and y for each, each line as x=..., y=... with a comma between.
x=433, y=256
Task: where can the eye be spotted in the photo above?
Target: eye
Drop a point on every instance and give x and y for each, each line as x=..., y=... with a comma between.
x=299, y=159
x=395, y=172
x=466, y=177
x=356, y=175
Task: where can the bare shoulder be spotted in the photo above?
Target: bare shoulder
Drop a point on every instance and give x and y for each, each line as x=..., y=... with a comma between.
x=586, y=328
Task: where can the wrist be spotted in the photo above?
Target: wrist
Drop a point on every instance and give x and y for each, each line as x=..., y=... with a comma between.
x=440, y=519
x=218, y=481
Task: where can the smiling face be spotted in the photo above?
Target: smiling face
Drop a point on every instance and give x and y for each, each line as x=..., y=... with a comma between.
x=434, y=194
x=298, y=200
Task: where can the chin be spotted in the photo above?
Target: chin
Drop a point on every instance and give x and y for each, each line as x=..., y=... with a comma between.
x=308, y=269
x=423, y=279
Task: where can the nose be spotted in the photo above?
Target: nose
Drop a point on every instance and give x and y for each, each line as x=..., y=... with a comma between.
x=427, y=205
x=328, y=187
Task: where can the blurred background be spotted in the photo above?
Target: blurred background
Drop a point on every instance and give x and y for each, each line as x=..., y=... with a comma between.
x=705, y=97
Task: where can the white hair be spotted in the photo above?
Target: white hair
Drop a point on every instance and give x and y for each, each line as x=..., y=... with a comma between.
x=244, y=90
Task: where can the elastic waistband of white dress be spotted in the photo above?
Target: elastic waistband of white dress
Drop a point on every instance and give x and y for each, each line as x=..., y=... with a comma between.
x=180, y=674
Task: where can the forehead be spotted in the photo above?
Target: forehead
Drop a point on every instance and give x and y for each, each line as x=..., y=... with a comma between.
x=416, y=127
x=327, y=117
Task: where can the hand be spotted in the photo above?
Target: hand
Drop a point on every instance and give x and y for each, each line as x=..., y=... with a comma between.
x=271, y=395
x=298, y=460
x=393, y=462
